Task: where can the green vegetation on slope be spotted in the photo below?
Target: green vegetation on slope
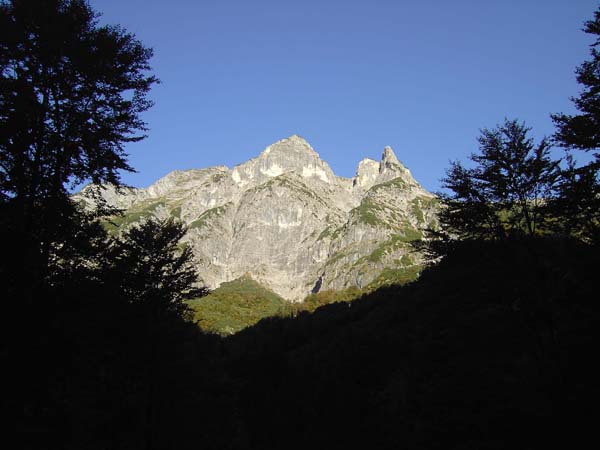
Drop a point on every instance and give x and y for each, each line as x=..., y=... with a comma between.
x=372, y=212
x=314, y=301
x=331, y=232
x=395, y=276
x=394, y=183
x=394, y=243
x=419, y=204
x=140, y=211
x=208, y=215
x=390, y=276
x=236, y=305
x=241, y=303
x=367, y=212
x=291, y=183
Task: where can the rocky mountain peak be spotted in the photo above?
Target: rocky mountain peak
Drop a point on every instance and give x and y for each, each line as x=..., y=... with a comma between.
x=367, y=165
x=292, y=154
x=293, y=144
x=389, y=158
x=285, y=218
x=367, y=173
x=391, y=168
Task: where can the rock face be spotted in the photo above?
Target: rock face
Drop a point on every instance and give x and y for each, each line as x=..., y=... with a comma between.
x=288, y=221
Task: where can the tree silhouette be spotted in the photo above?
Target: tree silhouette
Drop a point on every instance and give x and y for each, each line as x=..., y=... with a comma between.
x=578, y=201
x=152, y=271
x=154, y=276
x=504, y=194
x=71, y=94
x=582, y=131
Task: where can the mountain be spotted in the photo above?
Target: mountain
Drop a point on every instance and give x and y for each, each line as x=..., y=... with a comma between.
x=287, y=221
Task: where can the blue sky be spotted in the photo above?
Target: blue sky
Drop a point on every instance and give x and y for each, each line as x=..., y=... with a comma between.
x=349, y=76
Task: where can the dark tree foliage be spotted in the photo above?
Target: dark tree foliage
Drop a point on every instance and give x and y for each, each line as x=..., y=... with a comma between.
x=106, y=358
x=492, y=348
x=71, y=94
x=582, y=131
x=504, y=194
x=578, y=201
x=152, y=270
x=95, y=351
x=149, y=275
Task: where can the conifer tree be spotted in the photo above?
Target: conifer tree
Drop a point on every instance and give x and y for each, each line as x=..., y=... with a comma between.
x=578, y=202
x=582, y=131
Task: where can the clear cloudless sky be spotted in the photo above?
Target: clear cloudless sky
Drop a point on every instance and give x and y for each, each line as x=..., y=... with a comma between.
x=350, y=76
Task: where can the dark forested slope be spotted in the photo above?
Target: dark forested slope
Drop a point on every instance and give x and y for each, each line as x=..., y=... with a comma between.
x=492, y=348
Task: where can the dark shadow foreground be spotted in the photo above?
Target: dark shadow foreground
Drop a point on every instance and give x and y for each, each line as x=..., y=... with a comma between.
x=494, y=348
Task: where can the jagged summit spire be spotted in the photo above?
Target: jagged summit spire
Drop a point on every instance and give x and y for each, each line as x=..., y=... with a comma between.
x=366, y=174
x=389, y=156
x=371, y=172
x=391, y=168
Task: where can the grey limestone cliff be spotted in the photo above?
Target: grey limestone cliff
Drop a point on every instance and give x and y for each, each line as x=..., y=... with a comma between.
x=288, y=221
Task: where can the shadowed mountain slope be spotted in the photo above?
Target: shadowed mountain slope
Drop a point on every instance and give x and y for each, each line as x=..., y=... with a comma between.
x=494, y=348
